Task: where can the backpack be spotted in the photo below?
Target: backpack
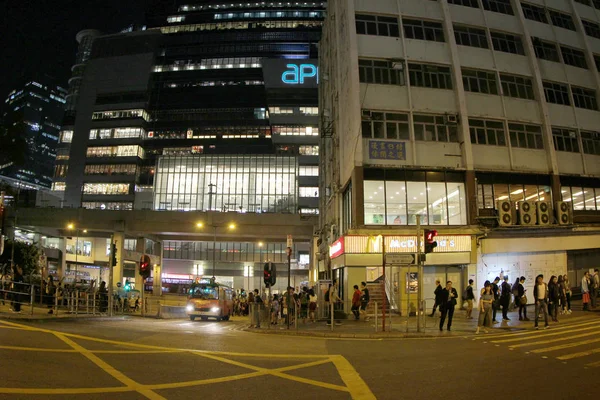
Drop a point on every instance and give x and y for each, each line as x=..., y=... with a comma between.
x=327, y=295
x=465, y=295
x=303, y=299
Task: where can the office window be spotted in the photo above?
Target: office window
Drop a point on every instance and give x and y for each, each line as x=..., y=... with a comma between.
x=573, y=57
x=380, y=125
x=525, y=136
x=507, y=43
x=430, y=76
x=556, y=93
x=119, y=114
x=66, y=136
x=487, y=132
x=584, y=98
x=499, y=6
x=423, y=30
x=59, y=186
x=116, y=151
x=565, y=140
x=591, y=28
x=517, y=86
x=590, y=142
x=467, y=36
x=433, y=128
x=106, y=188
x=377, y=25
x=534, y=13
x=479, y=81
x=308, y=191
x=309, y=170
x=561, y=20
x=380, y=72
x=545, y=50
x=466, y=3
x=290, y=130
x=110, y=169
x=308, y=150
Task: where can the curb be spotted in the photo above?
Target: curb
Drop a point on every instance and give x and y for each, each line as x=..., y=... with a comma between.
x=56, y=319
x=379, y=335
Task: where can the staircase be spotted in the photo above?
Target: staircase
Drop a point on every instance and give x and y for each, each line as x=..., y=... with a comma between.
x=377, y=294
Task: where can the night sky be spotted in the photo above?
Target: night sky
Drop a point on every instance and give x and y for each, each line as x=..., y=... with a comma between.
x=38, y=36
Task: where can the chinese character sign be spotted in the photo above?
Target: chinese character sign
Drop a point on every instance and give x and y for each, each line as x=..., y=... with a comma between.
x=386, y=150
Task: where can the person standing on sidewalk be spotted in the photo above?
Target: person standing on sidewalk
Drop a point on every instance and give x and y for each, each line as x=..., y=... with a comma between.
x=563, y=295
x=258, y=303
x=506, y=291
x=496, y=303
x=540, y=295
x=470, y=298
x=521, y=299
x=595, y=279
x=437, y=293
x=568, y=290
x=585, y=290
x=554, y=298
x=334, y=299
x=485, y=307
x=364, y=299
x=449, y=295
x=312, y=304
x=17, y=288
x=50, y=292
x=356, y=303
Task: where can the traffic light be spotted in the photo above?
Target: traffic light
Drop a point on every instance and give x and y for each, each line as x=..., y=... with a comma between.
x=113, y=252
x=430, y=244
x=145, y=269
x=270, y=274
x=127, y=286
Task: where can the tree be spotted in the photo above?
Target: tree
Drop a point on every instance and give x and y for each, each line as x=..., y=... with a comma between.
x=26, y=255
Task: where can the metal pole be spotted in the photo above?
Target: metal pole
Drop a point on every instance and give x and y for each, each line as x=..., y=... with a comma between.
x=384, y=286
x=420, y=274
x=110, y=278
x=142, y=299
x=376, y=327
x=32, y=290
x=290, y=297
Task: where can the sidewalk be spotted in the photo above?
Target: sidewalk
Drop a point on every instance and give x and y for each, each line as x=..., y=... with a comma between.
x=461, y=326
x=40, y=313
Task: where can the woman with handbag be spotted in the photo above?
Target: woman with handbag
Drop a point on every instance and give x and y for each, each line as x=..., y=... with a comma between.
x=521, y=299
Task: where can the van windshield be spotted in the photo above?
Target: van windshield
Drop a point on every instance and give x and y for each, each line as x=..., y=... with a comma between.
x=204, y=292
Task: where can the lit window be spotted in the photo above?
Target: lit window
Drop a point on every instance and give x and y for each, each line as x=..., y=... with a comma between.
x=66, y=136
x=59, y=186
x=312, y=191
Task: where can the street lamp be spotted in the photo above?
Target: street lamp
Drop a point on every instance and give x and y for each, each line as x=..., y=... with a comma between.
x=231, y=226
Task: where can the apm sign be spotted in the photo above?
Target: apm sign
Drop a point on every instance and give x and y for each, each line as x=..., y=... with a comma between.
x=299, y=74
x=290, y=74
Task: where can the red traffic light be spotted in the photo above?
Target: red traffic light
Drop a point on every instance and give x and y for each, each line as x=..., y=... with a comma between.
x=429, y=235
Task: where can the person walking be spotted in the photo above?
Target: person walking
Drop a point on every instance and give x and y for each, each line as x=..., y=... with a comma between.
x=312, y=304
x=356, y=303
x=540, y=295
x=563, y=295
x=274, y=310
x=17, y=288
x=553, y=298
x=102, y=297
x=569, y=292
x=594, y=287
x=485, y=307
x=506, y=291
x=258, y=303
x=364, y=300
x=496, y=303
x=334, y=300
x=437, y=293
x=449, y=296
x=521, y=299
x=585, y=290
x=470, y=298
x=50, y=292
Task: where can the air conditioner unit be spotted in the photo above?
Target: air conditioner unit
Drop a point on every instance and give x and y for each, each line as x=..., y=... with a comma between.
x=506, y=213
x=451, y=119
x=543, y=212
x=526, y=212
x=563, y=213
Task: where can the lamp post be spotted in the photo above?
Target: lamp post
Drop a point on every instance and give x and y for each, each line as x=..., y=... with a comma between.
x=231, y=226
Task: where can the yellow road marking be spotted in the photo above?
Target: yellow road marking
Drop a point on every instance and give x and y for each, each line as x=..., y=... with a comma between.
x=594, y=364
x=277, y=373
x=533, y=332
x=38, y=349
x=544, y=334
x=13, y=327
x=109, y=369
x=580, y=354
x=565, y=346
x=118, y=389
x=514, y=346
x=356, y=385
x=47, y=350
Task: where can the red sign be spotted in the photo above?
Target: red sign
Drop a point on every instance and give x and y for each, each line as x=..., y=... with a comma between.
x=337, y=248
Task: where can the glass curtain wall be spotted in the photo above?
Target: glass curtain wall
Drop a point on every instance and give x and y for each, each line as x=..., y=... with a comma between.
x=228, y=251
x=257, y=183
x=395, y=202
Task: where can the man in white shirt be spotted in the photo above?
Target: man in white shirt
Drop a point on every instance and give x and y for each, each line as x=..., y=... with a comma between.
x=540, y=295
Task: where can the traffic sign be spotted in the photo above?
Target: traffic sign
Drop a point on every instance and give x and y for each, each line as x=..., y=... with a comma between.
x=404, y=258
x=290, y=241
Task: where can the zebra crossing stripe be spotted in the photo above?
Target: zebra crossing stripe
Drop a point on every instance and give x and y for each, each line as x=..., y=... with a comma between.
x=580, y=354
x=533, y=332
x=551, y=340
x=564, y=346
x=540, y=334
x=593, y=365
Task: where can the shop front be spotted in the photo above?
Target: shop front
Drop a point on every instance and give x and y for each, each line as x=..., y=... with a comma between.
x=357, y=258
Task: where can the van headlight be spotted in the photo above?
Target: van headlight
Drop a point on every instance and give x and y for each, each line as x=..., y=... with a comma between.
x=190, y=307
x=215, y=309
